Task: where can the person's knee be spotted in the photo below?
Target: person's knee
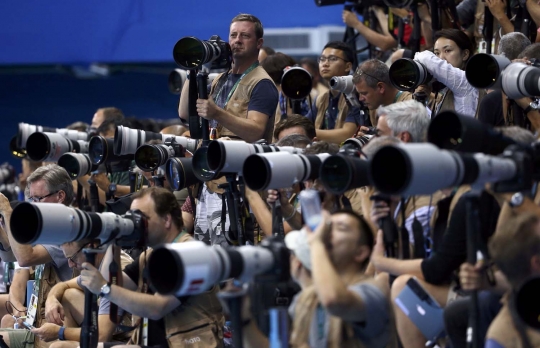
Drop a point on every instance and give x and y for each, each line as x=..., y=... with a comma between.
x=7, y=321
x=399, y=284
x=71, y=297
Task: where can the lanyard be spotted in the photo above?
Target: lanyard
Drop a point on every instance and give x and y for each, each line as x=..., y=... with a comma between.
x=397, y=96
x=253, y=66
x=178, y=237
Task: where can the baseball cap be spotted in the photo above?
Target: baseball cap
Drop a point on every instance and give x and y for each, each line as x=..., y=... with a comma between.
x=296, y=241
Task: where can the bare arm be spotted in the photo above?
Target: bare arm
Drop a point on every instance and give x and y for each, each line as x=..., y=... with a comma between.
x=183, y=109
x=54, y=311
x=337, y=136
x=383, y=41
x=17, y=291
x=534, y=10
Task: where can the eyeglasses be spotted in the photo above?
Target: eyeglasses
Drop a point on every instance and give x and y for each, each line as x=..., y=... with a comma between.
x=71, y=258
x=360, y=72
x=39, y=199
x=331, y=59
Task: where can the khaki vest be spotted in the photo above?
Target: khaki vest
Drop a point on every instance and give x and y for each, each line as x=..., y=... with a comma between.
x=197, y=323
x=322, y=106
x=49, y=278
x=239, y=102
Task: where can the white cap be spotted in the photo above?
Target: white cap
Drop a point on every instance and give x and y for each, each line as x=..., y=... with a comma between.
x=296, y=241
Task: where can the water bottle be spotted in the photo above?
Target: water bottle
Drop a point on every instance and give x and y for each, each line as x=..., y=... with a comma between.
x=310, y=203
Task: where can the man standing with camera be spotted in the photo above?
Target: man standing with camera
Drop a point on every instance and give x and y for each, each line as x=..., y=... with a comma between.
x=171, y=322
x=242, y=101
x=241, y=105
x=336, y=119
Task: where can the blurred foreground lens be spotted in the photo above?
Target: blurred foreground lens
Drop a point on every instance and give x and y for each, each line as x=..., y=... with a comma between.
x=190, y=52
x=528, y=309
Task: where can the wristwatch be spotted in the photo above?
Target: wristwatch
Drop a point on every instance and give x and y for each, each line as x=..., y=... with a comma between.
x=105, y=290
x=516, y=200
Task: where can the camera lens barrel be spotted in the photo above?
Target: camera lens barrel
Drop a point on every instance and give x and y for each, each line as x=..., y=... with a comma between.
x=406, y=74
x=340, y=173
x=50, y=146
x=179, y=173
x=229, y=156
x=343, y=84
x=197, y=267
x=190, y=52
x=25, y=130
x=451, y=131
x=520, y=80
x=55, y=223
x=484, y=70
x=296, y=83
x=76, y=164
x=280, y=169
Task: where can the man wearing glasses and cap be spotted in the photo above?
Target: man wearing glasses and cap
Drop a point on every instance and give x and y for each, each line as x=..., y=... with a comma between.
x=372, y=83
x=50, y=184
x=336, y=120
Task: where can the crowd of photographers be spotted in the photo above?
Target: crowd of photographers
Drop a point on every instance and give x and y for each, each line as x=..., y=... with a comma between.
x=340, y=203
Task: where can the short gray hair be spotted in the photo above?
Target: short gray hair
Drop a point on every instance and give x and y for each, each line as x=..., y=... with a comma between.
x=375, y=144
x=406, y=116
x=56, y=178
x=512, y=44
x=372, y=71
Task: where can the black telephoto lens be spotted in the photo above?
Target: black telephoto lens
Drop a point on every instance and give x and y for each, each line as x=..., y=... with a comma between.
x=179, y=173
x=407, y=74
x=340, y=173
x=296, y=83
x=190, y=52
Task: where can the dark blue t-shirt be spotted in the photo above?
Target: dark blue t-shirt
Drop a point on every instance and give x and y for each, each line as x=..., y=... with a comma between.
x=354, y=115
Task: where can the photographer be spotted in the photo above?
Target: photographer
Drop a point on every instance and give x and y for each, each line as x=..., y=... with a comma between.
x=343, y=307
x=335, y=119
x=497, y=109
x=295, y=124
x=275, y=66
x=385, y=41
x=171, y=320
x=242, y=102
x=372, y=82
x=452, y=50
x=50, y=184
x=64, y=305
x=515, y=250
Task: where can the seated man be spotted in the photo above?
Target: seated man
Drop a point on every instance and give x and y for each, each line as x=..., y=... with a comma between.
x=64, y=309
x=171, y=320
x=343, y=307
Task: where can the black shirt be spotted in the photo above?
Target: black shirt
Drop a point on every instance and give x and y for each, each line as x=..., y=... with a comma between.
x=156, y=328
x=491, y=110
x=440, y=266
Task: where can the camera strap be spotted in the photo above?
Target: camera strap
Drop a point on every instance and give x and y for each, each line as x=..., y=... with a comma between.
x=405, y=252
x=233, y=89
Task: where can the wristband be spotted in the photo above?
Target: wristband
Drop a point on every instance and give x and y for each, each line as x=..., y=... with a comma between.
x=290, y=216
x=61, y=336
x=527, y=109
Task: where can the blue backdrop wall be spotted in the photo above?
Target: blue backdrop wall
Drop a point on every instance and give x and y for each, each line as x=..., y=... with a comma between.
x=67, y=32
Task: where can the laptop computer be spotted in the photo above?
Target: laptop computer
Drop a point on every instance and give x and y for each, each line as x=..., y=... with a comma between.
x=423, y=310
